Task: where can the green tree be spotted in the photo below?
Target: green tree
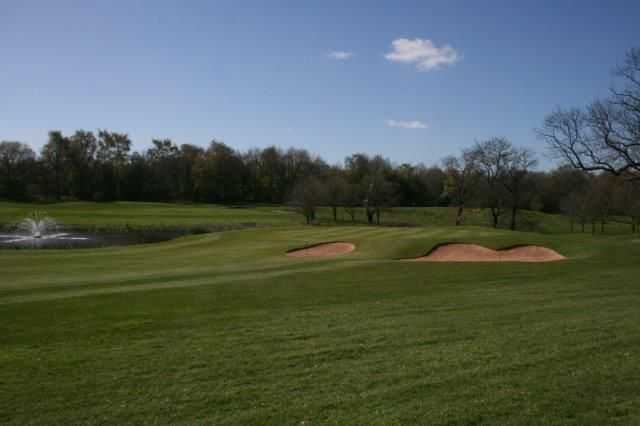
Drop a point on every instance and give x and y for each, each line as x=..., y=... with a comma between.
x=113, y=151
x=82, y=149
x=164, y=170
x=55, y=155
x=220, y=174
x=15, y=161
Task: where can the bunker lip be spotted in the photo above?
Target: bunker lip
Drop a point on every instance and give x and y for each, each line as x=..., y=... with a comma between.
x=329, y=249
x=466, y=252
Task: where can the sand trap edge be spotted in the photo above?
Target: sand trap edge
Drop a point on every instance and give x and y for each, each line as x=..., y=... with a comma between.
x=489, y=255
x=322, y=250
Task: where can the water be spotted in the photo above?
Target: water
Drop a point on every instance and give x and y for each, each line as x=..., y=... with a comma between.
x=38, y=225
x=41, y=231
x=36, y=230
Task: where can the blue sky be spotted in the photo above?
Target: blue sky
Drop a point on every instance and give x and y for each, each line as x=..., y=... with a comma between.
x=261, y=73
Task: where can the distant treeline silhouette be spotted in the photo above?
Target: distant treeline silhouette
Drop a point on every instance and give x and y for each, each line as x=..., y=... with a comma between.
x=99, y=166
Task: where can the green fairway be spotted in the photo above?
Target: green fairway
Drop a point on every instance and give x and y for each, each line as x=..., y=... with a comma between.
x=225, y=329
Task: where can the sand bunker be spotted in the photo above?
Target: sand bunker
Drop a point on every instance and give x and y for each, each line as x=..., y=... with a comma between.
x=323, y=250
x=475, y=253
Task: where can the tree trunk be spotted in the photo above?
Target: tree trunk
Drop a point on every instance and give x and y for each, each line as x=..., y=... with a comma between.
x=571, y=224
x=9, y=189
x=369, y=216
x=496, y=216
x=335, y=213
x=602, y=227
x=593, y=227
x=459, y=215
x=58, y=184
x=378, y=216
x=117, y=176
x=351, y=213
x=514, y=212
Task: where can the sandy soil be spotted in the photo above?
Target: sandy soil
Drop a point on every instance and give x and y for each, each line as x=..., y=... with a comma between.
x=476, y=253
x=323, y=250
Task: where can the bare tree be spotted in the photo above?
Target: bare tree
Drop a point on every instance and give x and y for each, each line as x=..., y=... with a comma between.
x=335, y=190
x=601, y=199
x=352, y=200
x=517, y=169
x=493, y=157
x=569, y=207
x=306, y=196
x=606, y=135
x=577, y=207
x=634, y=214
x=627, y=201
x=378, y=196
x=461, y=181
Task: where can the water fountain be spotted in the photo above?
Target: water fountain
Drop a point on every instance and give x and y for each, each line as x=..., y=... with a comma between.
x=38, y=230
x=37, y=225
x=35, y=229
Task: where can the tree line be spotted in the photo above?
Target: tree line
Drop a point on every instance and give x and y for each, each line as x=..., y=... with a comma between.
x=600, y=178
x=100, y=166
x=492, y=174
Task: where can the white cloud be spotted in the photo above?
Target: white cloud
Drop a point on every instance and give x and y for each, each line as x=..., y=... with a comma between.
x=424, y=53
x=340, y=55
x=415, y=124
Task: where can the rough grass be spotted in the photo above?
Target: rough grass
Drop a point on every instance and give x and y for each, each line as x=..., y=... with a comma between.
x=150, y=214
x=225, y=329
x=129, y=214
x=529, y=221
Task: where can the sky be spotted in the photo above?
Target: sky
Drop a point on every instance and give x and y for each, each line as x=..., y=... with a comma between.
x=413, y=81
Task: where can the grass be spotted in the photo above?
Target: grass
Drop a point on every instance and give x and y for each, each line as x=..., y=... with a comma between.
x=132, y=214
x=224, y=329
x=530, y=221
x=150, y=214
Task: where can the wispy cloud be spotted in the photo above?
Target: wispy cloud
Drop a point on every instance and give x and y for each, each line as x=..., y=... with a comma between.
x=415, y=124
x=340, y=55
x=424, y=53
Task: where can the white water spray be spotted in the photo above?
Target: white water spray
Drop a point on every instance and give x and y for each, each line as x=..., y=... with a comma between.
x=37, y=226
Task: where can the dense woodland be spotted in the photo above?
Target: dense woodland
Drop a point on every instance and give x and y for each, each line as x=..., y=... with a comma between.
x=599, y=144
x=492, y=174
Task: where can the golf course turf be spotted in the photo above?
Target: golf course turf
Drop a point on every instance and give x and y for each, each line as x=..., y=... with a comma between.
x=225, y=328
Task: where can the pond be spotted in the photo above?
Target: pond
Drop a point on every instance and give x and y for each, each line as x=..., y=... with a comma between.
x=76, y=240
